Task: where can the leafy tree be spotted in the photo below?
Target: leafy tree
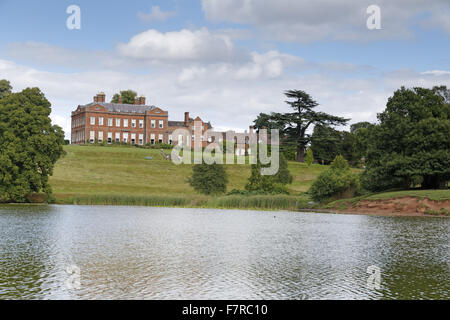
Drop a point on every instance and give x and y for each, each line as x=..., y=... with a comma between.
x=29, y=145
x=5, y=88
x=411, y=142
x=128, y=97
x=259, y=183
x=360, y=125
x=267, y=184
x=326, y=143
x=283, y=175
x=443, y=92
x=338, y=181
x=361, y=133
x=209, y=179
x=269, y=122
x=294, y=125
x=309, y=159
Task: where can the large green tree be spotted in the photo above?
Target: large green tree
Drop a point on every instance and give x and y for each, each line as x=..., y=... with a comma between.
x=338, y=181
x=209, y=179
x=128, y=97
x=294, y=125
x=326, y=143
x=5, y=88
x=410, y=144
x=29, y=145
x=361, y=134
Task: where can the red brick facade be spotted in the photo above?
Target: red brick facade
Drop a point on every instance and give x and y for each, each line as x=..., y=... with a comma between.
x=125, y=123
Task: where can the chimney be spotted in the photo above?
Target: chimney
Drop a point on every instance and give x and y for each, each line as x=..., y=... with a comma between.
x=252, y=128
x=136, y=100
x=142, y=100
x=120, y=100
x=101, y=97
x=186, y=119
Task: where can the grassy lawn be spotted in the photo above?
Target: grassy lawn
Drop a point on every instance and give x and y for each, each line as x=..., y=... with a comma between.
x=124, y=171
x=122, y=176
x=437, y=195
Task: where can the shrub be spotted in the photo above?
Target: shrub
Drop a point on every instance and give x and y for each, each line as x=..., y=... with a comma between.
x=309, y=158
x=336, y=182
x=209, y=179
x=283, y=175
x=258, y=182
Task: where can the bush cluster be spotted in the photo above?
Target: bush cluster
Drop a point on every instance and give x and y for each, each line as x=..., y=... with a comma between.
x=336, y=182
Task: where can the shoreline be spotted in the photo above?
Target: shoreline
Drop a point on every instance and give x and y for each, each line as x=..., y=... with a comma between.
x=378, y=212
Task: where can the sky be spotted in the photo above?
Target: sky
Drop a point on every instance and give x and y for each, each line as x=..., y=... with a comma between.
x=225, y=60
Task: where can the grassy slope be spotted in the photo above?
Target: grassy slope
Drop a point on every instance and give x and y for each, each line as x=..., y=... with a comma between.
x=122, y=175
x=92, y=170
x=437, y=195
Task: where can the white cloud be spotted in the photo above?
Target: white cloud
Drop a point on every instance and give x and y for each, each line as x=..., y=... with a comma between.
x=216, y=93
x=156, y=14
x=46, y=55
x=184, y=45
x=305, y=20
x=436, y=72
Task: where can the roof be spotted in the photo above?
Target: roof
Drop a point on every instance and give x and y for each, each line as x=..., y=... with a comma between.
x=119, y=107
x=176, y=124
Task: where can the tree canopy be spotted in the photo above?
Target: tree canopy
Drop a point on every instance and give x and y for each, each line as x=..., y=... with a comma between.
x=293, y=126
x=410, y=145
x=128, y=97
x=5, y=88
x=338, y=181
x=209, y=179
x=29, y=145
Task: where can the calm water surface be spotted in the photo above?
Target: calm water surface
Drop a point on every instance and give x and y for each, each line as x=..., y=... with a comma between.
x=160, y=253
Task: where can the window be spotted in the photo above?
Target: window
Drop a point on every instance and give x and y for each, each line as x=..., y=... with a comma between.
x=125, y=123
x=92, y=121
x=117, y=122
x=125, y=137
x=161, y=124
x=170, y=139
x=141, y=139
x=152, y=139
x=153, y=123
x=110, y=122
x=117, y=136
x=133, y=138
x=133, y=123
x=100, y=121
x=92, y=136
x=141, y=124
x=100, y=136
x=109, y=137
x=160, y=139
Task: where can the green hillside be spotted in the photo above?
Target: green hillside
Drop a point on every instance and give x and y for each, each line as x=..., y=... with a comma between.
x=116, y=175
x=95, y=170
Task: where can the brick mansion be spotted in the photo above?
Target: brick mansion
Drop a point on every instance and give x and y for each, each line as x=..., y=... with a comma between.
x=136, y=123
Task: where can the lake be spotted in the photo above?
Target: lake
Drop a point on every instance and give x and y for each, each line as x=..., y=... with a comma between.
x=88, y=252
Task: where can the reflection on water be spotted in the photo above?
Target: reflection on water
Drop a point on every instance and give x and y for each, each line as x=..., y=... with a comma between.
x=160, y=253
